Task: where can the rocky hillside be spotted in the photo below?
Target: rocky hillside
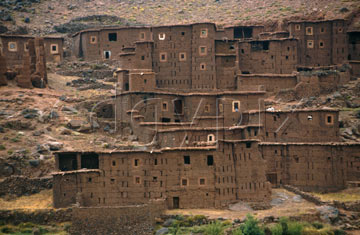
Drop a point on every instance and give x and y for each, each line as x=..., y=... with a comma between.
x=66, y=16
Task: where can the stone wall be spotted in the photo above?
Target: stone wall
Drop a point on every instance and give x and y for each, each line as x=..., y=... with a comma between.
x=137, y=219
x=20, y=185
x=3, y=70
x=43, y=216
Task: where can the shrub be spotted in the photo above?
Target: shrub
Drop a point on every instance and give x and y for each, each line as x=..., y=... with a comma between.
x=7, y=229
x=339, y=232
x=215, y=228
x=27, y=225
x=237, y=232
x=276, y=229
x=2, y=147
x=251, y=226
x=317, y=225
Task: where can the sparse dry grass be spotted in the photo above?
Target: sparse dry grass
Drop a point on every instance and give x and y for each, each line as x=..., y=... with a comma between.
x=42, y=200
x=347, y=195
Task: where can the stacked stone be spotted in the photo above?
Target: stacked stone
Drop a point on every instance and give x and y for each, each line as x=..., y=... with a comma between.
x=2, y=70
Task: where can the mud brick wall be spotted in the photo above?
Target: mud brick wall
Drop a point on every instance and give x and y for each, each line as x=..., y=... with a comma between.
x=354, y=45
x=321, y=43
x=144, y=81
x=203, y=63
x=115, y=220
x=3, y=70
x=319, y=167
x=278, y=56
x=172, y=70
x=271, y=82
x=185, y=179
x=15, y=48
x=302, y=126
x=355, y=68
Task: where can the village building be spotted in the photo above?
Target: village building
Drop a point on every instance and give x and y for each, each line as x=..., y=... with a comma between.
x=193, y=96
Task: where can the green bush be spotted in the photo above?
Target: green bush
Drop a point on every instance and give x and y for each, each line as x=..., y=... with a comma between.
x=237, y=231
x=215, y=228
x=276, y=229
x=251, y=227
x=7, y=229
x=27, y=225
x=317, y=225
x=339, y=232
x=2, y=147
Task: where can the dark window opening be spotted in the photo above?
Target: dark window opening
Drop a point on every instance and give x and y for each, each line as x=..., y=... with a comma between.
x=260, y=45
x=231, y=47
x=89, y=179
x=210, y=160
x=245, y=72
x=176, y=202
x=67, y=162
x=142, y=57
x=178, y=106
x=53, y=48
x=155, y=161
x=202, y=181
x=329, y=119
x=248, y=145
x=113, y=163
x=165, y=120
x=112, y=37
x=243, y=32
x=126, y=86
x=107, y=54
x=186, y=159
x=182, y=33
x=184, y=182
x=136, y=162
x=177, y=120
x=242, y=51
x=90, y=161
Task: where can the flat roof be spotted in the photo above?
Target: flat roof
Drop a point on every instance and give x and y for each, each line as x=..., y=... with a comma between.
x=194, y=93
x=30, y=36
x=311, y=143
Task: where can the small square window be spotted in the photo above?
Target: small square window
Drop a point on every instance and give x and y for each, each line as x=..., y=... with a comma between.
x=322, y=30
x=142, y=57
x=309, y=30
x=142, y=36
x=202, y=50
x=187, y=160
x=242, y=51
x=203, y=33
x=211, y=138
x=113, y=163
x=340, y=30
x=202, y=66
x=93, y=39
x=236, y=106
x=161, y=36
x=112, y=37
x=321, y=44
x=107, y=54
x=184, y=182
x=182, y=56
x=163, y=57
x=136, y=162
x=12, y=46
x=202, y=181
x=182, y=33
x=54, y=48
x=207, y=108
x=164, y=106
x=137, y=180
x=329, y=119
x=297, y=27
x=310, y=44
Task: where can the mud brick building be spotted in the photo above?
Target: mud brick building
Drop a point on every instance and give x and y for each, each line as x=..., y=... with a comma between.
x=321, y=43
x=14, y=47
x=193, y=97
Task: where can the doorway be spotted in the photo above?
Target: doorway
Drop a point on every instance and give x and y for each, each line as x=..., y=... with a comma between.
x=176, y=202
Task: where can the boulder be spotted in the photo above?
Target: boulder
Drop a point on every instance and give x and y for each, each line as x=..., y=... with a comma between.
x=74, y=124
x=55, y=146
x=162, y=231
x=69, y=109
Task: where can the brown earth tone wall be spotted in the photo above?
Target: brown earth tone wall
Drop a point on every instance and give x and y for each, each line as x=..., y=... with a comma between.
x=271, y=82
x=354, y=45
x=278, y=56
x=321, y=43
x=189, y=178
x=137, y=219
x=15, y=47
x=312, y=167
x=3, y=70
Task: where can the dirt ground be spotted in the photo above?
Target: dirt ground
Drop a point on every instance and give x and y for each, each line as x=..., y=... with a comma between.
x=284, y=203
